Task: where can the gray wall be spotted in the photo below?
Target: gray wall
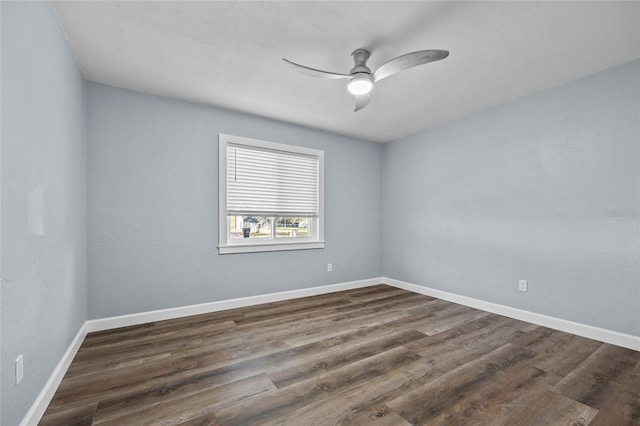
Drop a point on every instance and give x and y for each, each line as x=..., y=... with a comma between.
x=44, y=244
x=153, y=203
x=524, y=191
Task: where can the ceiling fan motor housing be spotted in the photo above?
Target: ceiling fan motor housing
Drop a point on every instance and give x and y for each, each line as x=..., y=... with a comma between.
x=360, y=58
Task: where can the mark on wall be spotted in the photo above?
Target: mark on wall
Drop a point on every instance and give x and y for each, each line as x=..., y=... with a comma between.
x=623, y=213
x=35, y=211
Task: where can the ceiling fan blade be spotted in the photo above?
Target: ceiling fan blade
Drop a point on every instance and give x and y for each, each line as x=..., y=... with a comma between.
x=362, y=101
x=314, y=72
x=407, y=61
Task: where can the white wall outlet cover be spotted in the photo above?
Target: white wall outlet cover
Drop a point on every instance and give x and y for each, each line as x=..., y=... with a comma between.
x=329, y=267
x=522, y=285
x=19, y=369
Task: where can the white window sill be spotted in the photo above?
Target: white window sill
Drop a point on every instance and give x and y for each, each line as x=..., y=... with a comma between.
x=259, y=247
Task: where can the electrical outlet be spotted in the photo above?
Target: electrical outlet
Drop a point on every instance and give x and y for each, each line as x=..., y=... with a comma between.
x=19, y=369
x=523, y=285
x=329, y=267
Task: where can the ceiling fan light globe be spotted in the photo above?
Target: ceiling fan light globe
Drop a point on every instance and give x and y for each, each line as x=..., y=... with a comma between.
x=360, y=85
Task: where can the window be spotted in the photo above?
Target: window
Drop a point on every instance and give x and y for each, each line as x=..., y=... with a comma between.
x=271, y=196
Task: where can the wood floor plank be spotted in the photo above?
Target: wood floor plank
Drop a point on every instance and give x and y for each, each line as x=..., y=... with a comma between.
x=623, y=406
x=365, y=404
x=384, y=417
x=344, y=322
x=485, y=406
x=303, y=306
x=298, y=327
x=456, y=347
x=341, y=356
x=115, y=362
x=402, y=301
x=549, y=409
x=208, y=419
x=438, y=325
x=179, y=403
x=490, y=327
x=278, y=404
x=141, y=334
x=423, y=404
x=359, y=405
x=74, y=416
x=564, y=356
x=597, y=377
x=367, y=295
x=369, y=356
x=295, y=326
x=424, y=316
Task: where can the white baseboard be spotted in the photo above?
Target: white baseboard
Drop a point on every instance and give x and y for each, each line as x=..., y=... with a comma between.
x=205, y=308
x=44, y=398
x=591, y=332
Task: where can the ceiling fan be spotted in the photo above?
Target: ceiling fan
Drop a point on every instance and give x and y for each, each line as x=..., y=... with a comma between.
x=361, y=79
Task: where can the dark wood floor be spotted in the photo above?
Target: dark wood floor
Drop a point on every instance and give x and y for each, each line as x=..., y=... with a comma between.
x=374, y=356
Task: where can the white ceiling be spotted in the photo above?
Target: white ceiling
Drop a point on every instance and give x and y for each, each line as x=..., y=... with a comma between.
x=228, y=54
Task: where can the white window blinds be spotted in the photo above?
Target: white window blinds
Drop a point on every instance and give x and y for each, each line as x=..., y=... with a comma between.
x=271, y=183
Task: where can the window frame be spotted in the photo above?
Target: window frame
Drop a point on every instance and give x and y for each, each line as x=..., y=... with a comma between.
x=226, y=245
